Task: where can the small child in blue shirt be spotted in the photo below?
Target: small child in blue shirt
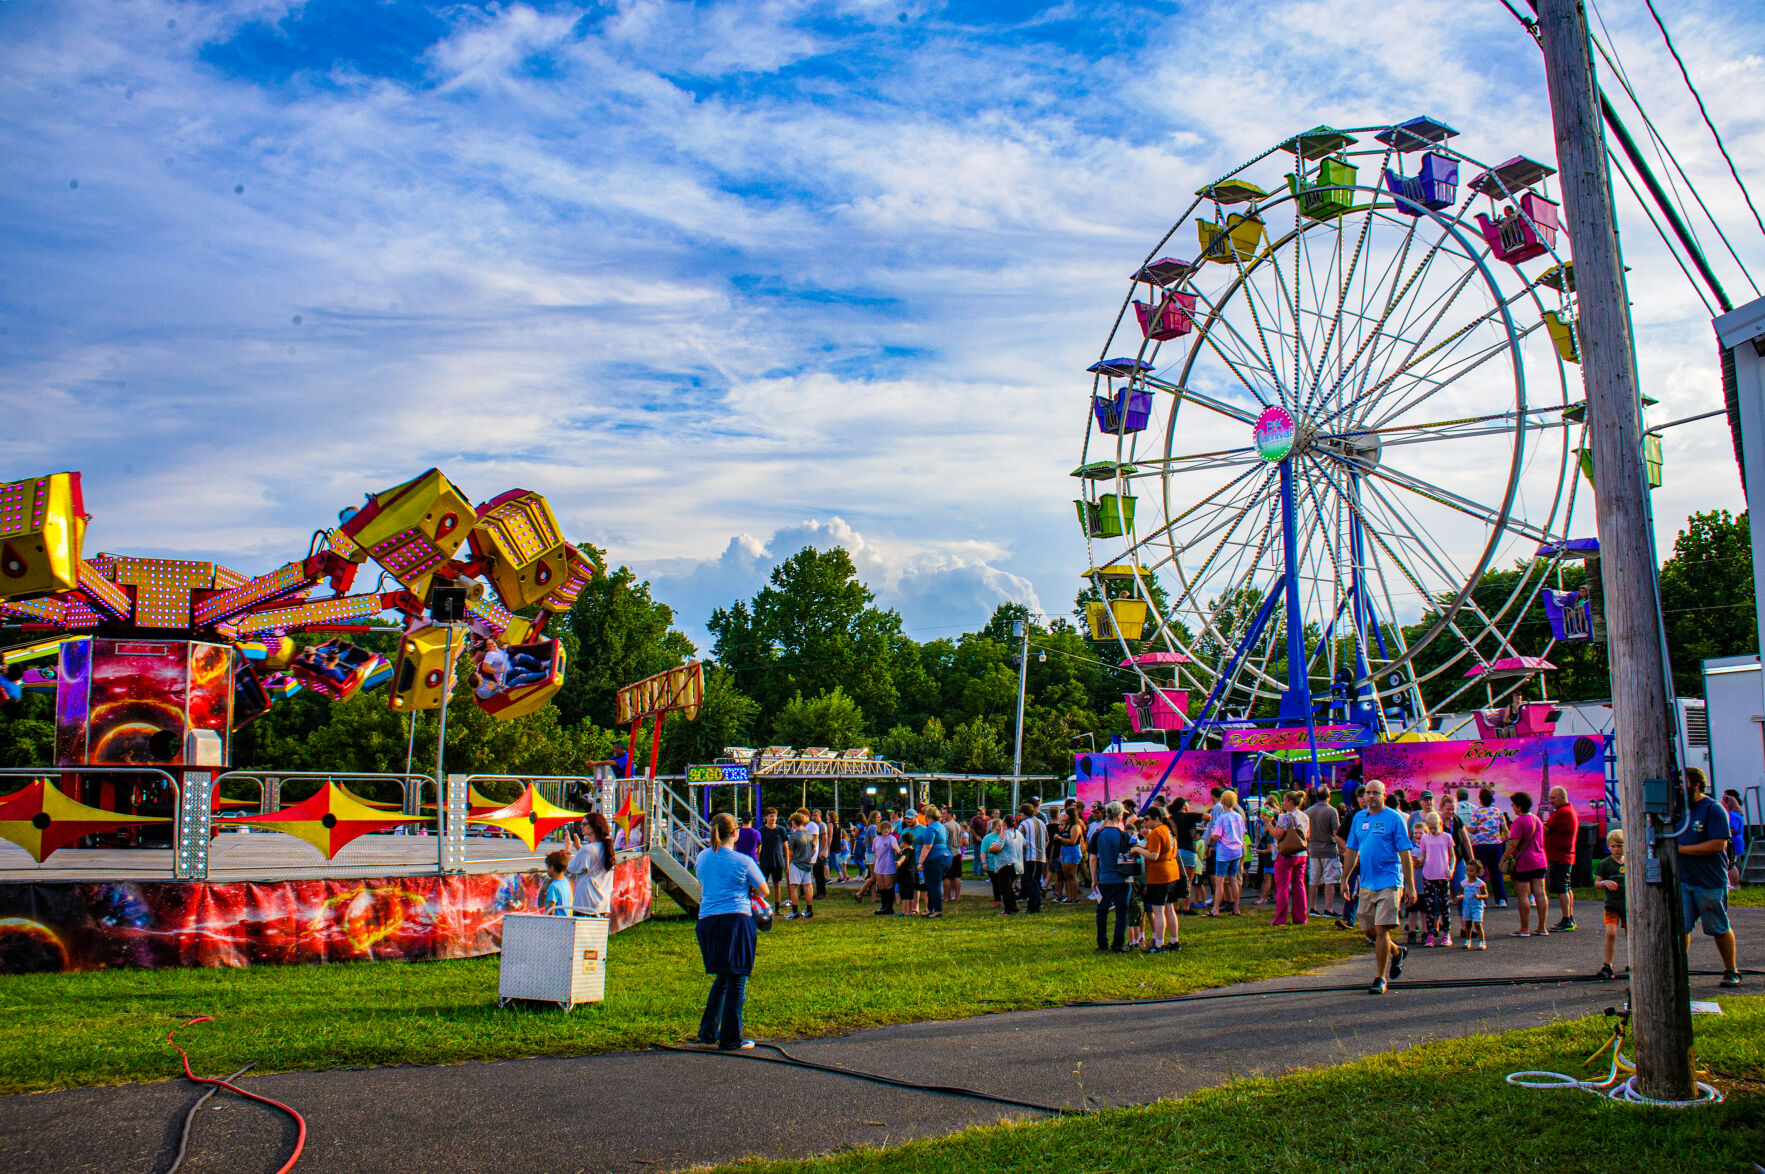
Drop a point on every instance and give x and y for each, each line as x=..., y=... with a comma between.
x=1471, y=907
x=557, y=899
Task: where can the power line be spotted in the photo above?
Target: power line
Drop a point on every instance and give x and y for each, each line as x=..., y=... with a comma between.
x=1663, y=149
x=1699, y=98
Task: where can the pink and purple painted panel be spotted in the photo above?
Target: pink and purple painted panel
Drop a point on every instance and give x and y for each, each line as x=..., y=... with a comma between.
x=1504, y=765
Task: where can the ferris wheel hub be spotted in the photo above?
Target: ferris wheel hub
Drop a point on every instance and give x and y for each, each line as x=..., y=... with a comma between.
x=1277, y=434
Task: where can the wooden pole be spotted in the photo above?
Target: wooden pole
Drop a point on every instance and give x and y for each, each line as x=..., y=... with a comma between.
x=1659, y=983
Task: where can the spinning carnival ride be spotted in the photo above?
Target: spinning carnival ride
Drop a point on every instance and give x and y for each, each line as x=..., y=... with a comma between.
x=154, y=663
x=1353, y=403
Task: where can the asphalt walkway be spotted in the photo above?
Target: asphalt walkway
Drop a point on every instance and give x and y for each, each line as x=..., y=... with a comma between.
x=655, y=1111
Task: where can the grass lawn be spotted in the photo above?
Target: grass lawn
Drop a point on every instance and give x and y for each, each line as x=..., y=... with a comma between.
x=1444, y=1108
x=838, y=973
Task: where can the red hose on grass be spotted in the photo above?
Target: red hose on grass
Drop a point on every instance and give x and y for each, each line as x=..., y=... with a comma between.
x=299, y=1141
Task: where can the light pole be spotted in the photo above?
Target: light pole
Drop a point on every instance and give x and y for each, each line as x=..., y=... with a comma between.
x=1020, y=629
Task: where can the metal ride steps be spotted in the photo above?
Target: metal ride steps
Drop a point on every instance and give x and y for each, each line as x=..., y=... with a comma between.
x=1752, y=869
x=676, y=880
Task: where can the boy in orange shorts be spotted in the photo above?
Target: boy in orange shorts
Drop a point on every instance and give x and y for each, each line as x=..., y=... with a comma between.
x=1609, y=876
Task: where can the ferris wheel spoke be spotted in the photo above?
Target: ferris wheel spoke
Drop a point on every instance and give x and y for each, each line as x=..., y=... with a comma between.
x=1172, y=525
x=1250, y=299
x=1452, y=429
x=1437, y=555
x=1490, y=515
x=1362, y=406
x=1225, y=458
x=1342, y=311
x=1289, y=302
x=1373, y=339
x=1434, y=386
x=1231, y=411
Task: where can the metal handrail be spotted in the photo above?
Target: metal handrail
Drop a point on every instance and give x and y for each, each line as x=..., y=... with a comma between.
x=668, y=803
x=258, y=776
x=47, y=774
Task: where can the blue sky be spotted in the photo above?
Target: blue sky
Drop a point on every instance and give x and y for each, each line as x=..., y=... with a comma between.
x=718, y=278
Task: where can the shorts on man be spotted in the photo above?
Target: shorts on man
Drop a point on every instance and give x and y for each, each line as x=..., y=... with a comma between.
x=1708, y=905
x=802, y=876
x=1323, y=871
x=1556, y=880
x=1378, y=909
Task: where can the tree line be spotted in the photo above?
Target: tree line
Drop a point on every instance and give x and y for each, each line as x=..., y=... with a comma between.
x=812, y=660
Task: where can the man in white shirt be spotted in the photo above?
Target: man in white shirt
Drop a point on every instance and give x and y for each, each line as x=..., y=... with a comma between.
x=1035, y=853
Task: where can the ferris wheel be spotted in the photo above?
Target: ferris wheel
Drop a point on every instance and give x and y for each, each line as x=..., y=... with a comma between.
x=1309, y=444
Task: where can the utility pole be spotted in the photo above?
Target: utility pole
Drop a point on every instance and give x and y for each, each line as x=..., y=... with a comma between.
x=1022, y=629
x=1659, y=983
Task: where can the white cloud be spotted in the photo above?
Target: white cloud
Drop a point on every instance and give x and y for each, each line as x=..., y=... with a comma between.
x=940, y=590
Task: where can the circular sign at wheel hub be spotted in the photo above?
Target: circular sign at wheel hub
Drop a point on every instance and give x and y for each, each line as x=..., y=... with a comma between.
x=1275, y=433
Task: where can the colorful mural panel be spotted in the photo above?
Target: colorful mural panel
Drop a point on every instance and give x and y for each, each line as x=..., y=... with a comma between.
x=1504, y=765
x=1103, y=777
x=152, y=925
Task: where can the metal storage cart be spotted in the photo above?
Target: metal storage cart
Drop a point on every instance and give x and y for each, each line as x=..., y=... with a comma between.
x=560, y=960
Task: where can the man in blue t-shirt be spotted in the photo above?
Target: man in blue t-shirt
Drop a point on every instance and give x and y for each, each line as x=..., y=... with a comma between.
x=1109, y=843
x=1380, y=844
x=1703, y=873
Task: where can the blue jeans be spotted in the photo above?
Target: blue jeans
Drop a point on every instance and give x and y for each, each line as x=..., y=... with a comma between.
x=934, y=882
x=1114, y=896
x=722, y=1020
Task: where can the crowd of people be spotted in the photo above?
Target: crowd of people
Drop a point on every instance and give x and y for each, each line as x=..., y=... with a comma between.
x=1398, y=869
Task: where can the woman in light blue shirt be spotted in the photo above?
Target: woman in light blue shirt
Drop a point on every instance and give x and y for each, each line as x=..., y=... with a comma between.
x=934, y=857
x=1227, y=832
x=728, y=880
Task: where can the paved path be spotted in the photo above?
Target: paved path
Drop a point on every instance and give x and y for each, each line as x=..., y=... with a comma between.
x=654, y=1111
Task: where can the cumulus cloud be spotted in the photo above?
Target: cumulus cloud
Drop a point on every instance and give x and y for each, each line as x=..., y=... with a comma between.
x=940, y=590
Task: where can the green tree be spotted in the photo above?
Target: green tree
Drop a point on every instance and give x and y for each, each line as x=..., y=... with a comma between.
x=927, y=751
x=978, y=745
x=1707, y=596
x=616, y=634
x=813, y=627
x=726, y=718
x=27, y=736
x=833, y=720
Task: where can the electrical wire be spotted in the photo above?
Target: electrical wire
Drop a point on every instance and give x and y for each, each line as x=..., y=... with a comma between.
x=1198, y=997
x=1699, y=98
x=1624, y=175
x=227, y=1083
x=190, y=1117
x=1665, y=152
x=1616, y=1086
x=878, y=1078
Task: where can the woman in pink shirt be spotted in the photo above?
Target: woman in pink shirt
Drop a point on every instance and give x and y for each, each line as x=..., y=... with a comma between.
x=1439, y=858
x=1525, y=855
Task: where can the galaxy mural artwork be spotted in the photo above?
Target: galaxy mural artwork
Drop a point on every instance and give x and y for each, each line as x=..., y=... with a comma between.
x=1132, y=776
x=1504, y=765
x=150, y=925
